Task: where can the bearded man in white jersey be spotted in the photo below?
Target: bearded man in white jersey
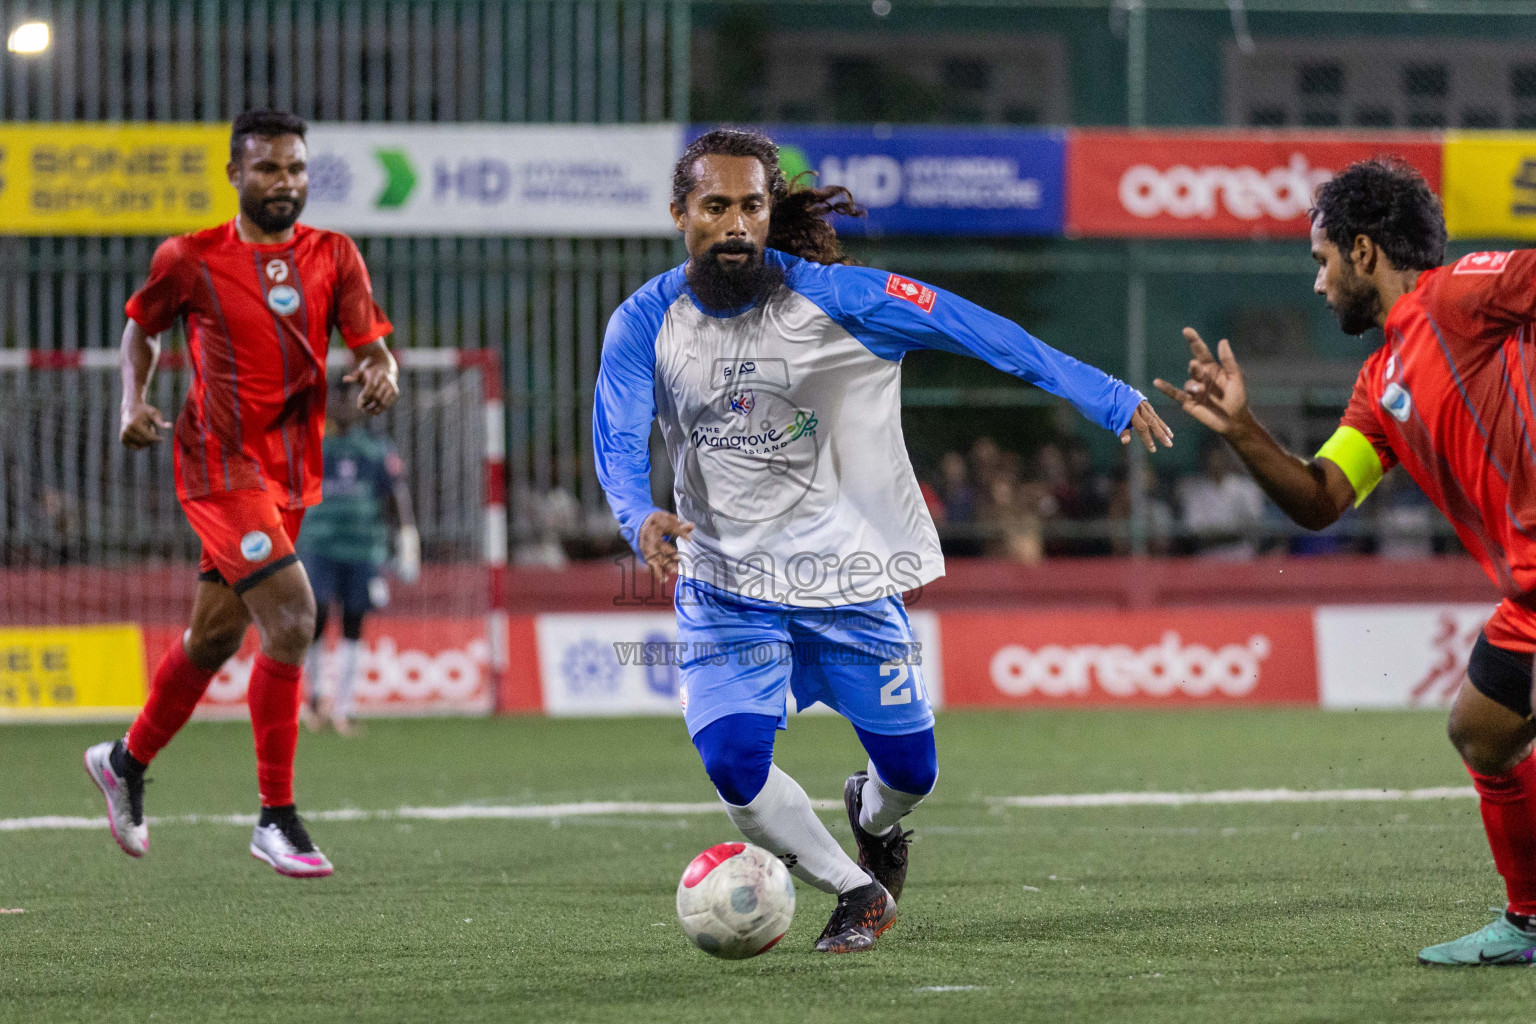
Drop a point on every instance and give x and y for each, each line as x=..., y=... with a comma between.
x=774, y=369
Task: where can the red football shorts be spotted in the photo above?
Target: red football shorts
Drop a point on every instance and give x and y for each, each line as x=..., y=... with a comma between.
x=247, y=536
x=1513, y=627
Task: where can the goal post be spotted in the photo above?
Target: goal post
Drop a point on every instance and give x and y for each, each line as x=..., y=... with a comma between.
x=91, y=534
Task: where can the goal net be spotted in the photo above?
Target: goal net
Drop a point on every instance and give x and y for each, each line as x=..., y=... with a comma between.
x=91, y=534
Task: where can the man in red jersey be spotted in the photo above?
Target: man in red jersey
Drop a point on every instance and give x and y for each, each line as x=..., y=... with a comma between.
x=260, y=296
x=1449, y=396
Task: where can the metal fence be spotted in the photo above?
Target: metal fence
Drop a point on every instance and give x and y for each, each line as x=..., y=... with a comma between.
x=544, y=302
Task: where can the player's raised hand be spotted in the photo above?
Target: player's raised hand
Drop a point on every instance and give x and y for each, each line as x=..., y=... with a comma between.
x=1215, y=394
x=141, y=425
x=1149, y=426
x=659, y=552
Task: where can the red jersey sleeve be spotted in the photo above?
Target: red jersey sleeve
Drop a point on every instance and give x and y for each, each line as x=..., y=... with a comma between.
x=358, y=317
x=1361, y=415
x=1486, y=293
x=162, y=299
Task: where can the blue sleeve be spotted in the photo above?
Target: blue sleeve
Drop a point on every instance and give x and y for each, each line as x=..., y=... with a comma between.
x=623, y=409
x=893, y=315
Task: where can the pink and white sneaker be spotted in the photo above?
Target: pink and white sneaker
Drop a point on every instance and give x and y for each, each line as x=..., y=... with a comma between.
x=125, y=798
x=286, y=846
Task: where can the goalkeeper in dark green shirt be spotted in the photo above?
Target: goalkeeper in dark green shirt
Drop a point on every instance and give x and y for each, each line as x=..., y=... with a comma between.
x=346, y=541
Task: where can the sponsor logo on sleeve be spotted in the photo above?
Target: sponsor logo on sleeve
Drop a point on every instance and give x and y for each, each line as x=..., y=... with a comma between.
x=1482, y=263
x=1397, y=401
x=919, y=295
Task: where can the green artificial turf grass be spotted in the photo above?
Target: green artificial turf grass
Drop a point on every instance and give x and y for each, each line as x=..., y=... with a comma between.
x=1277, y=912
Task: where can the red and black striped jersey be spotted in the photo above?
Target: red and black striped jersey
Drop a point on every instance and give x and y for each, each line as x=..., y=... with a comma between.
x=1450, y=396
x=259, y=321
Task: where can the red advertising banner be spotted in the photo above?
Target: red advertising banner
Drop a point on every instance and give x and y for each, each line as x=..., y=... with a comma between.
x=1184, y=656
x=408, y=666
x=1216, y=184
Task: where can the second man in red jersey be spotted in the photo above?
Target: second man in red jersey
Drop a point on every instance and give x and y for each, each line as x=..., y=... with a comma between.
x=1448, y=396
x=260, y=296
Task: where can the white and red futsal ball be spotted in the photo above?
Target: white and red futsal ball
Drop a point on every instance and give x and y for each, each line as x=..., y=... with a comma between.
x=735, y=900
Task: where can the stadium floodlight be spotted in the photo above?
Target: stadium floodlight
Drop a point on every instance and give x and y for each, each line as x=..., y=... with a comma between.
x=29, y=37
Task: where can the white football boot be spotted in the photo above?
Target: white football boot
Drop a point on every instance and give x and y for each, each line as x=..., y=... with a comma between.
x=125, y=799
x=287, y=847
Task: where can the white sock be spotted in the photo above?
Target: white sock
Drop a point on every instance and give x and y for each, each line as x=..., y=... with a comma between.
x=884, y=806
x=781, y=821
x=313, y=662
x=341, y=706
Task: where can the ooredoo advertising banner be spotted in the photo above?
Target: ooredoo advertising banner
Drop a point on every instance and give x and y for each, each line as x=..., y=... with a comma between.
x=408, y=666
x=492, y=179
x=935, y=181
x=1214, y=184
x=1074, y=658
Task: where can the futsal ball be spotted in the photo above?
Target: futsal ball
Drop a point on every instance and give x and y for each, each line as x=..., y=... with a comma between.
x=735, y=900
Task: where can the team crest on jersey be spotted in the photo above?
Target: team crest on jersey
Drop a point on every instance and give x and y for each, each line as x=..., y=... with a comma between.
x=255, y=546
x=1482, y=263
x=919, y=295
x=277, y=270
x=1397, y=401
x=283, y=300
x=742, y=402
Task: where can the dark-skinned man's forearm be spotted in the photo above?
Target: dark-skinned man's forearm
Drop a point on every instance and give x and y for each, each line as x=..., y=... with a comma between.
x=1293, y=483
x=140, y=352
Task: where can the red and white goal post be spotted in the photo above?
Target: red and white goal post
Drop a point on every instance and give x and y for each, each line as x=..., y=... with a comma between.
x=98, y=565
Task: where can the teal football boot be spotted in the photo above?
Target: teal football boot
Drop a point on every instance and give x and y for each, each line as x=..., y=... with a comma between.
x=1499, y=943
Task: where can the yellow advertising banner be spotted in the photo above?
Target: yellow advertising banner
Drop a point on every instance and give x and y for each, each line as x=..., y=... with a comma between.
x=1490, y=184
x=113, y=179
x=71, y=672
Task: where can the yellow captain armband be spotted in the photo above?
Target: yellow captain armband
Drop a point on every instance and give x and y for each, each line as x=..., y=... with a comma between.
x=1350, y=451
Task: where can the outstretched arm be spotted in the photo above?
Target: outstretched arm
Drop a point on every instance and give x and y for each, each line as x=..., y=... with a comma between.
x=891, y=314
x=1314, y=493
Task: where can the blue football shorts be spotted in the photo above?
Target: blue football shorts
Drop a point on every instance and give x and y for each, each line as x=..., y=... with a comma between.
x=743, y=656
x=346, y=582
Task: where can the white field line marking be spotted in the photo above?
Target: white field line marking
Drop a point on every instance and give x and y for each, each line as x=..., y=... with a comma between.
x=1235, y=796
x=468, y=812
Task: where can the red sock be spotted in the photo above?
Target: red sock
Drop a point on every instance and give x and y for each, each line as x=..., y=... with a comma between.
x=177, y=687
x=1508, y=804
x=274, y=702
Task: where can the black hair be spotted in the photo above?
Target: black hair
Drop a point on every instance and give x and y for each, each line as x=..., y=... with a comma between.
x=798, y=212
x=266, y=123
x=1390, y=203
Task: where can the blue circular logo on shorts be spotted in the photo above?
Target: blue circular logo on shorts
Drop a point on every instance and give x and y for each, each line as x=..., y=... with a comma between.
x=283, y=300
x=255, y=546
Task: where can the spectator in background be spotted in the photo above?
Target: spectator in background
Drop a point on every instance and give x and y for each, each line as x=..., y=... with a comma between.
x=955, y=489
x=1160, y=518
x=1222, y=508
x=1011, y=512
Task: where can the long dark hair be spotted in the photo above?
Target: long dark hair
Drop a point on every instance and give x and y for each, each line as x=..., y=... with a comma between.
x=798, y=215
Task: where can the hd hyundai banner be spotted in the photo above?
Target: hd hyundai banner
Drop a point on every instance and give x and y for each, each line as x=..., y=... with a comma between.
x=933, y=181
x=1216, y=184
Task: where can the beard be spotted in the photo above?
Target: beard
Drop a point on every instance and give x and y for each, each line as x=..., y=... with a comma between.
x=264, y=212
x=1358, y=305
x=732, y=285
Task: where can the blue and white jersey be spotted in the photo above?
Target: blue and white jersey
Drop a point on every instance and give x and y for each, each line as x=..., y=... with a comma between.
x=782, y=422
